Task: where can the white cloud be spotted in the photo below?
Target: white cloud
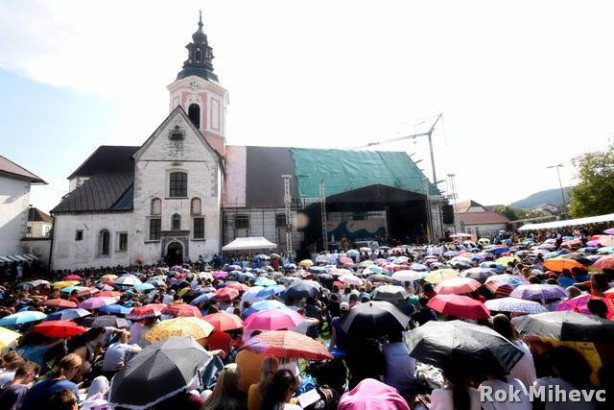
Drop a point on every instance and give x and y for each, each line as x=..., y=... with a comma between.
x=521, y=84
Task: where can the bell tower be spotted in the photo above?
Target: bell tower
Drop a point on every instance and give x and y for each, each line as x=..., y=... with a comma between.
x=198, y=92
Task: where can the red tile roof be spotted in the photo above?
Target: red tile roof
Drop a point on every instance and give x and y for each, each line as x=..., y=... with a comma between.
x=482, y=218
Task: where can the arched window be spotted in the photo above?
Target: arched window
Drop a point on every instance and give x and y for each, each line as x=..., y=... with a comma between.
x=178, y=187
x=176, y=222
x=198, y=55
x=196, y=208
x=194, y=114
x=156, y=206
x=104, y=240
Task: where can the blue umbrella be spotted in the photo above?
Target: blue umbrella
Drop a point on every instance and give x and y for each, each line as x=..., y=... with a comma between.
x=116, y=309
x=316, y=269
x=144, y=287
x=69, y=289
x=492, y=265
x=21, y=318
x=205, y=297
x=265, y=305
x=498, y=251
x=289, y=266
x=265, y=282
x=551, y=255
x=156, y=282
x=68, y=314
x=510, y=304
x=352, y=252
x=270, y=291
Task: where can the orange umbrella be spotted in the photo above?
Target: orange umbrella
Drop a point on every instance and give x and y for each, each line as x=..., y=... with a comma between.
x=558, y=264
x=223, y=321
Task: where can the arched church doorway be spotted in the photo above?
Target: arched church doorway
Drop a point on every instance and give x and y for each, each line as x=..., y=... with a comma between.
x=174, y=254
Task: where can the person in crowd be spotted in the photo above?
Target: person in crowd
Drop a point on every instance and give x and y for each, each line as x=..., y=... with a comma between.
x=258, y=391
x=400, y=367
x=524, y=370
x=63, y=400
x=226, y=394
x=118, y=354
x=280, y=392
x=457, y=393
x=339, y=340
x=497, y=382
x=13, y=393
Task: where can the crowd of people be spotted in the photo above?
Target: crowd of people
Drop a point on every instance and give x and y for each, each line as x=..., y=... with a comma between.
x=442, y=326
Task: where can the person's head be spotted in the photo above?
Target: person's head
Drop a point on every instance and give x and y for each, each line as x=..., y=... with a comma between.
x=10, y=357
x=598, y=308
x=599, y=282
x=502, y=325
x=268, y=370
x=423, y=300
x=69, y=366
x=573, y=292
x=64, y=400
x=395, y=337
x=280, y=391
x=570, y=365
x=344, y=307
x=226, y=389
x=124, y=337
x=26, y=372
x=457, y=382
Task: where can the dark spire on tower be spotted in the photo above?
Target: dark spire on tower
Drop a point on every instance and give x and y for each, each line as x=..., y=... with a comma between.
x=199, y=56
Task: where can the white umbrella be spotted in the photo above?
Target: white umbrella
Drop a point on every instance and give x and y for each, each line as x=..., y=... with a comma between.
x=350, y=280
x=408, y=275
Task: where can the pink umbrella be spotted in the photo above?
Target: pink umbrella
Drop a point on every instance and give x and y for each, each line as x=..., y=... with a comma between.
x=95, y=303
x=273, y=319
x=457, y=286
x=219, y=274
x=372, y=394
x=580, y=304
x=609, y=231
x=459, y=306
x=72, y=277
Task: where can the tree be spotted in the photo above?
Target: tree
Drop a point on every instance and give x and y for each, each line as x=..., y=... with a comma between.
x=513, y=214
x=594, y=194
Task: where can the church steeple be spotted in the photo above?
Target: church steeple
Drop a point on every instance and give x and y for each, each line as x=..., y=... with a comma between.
x=199, y=56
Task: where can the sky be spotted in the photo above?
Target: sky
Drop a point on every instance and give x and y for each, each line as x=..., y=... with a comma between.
x=521, y=84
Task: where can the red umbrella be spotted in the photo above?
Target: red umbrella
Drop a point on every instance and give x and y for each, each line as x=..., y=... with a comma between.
x=605, y=262
x=72, y=277
x=143, y=312
x=457, y=286
x=223, y=321
x=273, y=319
x=181, y=309
x=110, y=294
x=226, y=294
x=288, y=344
x=609, y=293
x=459, y=306
x=237, y=286
x=58, y=328
x=60, y=303
x=346, y=261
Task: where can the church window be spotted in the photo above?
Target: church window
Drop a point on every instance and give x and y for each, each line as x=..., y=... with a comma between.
x=242, y=222
x=79, y=235
x=199, y=228
x=123, y=241
x=196, y=208
x=156, y=206
x=194, y=114
x=155, y=225
x=104, y=241
x=198, y=54
x=178, y=185
x=176, y=222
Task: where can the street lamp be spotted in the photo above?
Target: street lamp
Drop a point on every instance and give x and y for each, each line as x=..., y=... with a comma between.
x=558, y=166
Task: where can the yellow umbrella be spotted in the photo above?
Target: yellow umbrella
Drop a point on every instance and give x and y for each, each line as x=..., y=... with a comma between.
x=306, y=263
x=65, y=284
x=8, y=338
x=108, y=278
x=183, y=291
x=507, y=259
x=438, y=276
x=181, y=326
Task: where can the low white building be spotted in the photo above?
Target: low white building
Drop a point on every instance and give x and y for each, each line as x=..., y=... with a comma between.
x=15, y=184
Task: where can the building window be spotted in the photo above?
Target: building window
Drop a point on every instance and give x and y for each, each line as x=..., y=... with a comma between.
x=196, y=207
x=29, y=230
x=178, y=187
x=156, y=207
x=104, y=242
x=122, y=242
x=242, y=222
x=176, y=222
x=46, y=230
x=79, y=235
x=194, y=114
x=155, y=225
x=280, y=221
x=199, y=228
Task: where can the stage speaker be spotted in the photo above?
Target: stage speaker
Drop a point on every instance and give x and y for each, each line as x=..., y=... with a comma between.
x=447, y=213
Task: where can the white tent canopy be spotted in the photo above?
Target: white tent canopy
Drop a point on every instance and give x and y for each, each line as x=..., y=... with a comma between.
x=568, y=222
x=244, y=244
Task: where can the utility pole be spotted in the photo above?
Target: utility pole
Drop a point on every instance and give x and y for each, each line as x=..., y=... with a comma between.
x=429, y=215
x=288, y=212
x=453, y=197
x=558, y=167
x=323, y=213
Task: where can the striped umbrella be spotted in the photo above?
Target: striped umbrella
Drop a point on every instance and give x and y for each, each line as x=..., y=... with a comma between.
x=503, y=285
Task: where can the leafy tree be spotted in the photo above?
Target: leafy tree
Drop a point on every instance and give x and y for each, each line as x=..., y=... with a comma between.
x=594, y=194
x=513, y=214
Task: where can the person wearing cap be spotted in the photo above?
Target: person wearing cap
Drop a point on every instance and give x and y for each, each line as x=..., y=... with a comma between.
x=339, y=339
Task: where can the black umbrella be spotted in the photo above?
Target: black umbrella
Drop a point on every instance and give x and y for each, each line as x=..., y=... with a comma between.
x=374, y=319
x=390, y=293
x=162, y=370
x=303, y=289
x=566, y=326
x=479, y=274
x=106, y=321
x=462, y=345
x=579, y=258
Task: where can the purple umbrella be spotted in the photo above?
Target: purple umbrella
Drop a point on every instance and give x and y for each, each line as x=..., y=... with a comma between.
x=219, y=274
x=539, y=292
x=593, y=243
x=609, y=231
x=95, y=303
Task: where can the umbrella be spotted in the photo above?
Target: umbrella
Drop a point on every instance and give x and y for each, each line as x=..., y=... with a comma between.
x=265, y=282
x=236, y=286
x=605, y=250
x=68, y=314
x=37, y=282
x=457, y=286
x=115, y=309
x=344, y=260
x=350, y=280
x=463, y=346
x=160, y=371
x=75, y=278
x=374, y=319
x=580, y=258
x=58, y=328
x=492, y=265
x=98, y=302
x=251, y=295
x=181, y=310
x=8, y=338
x=71, y=288
x=366, y=263
x=407, y=275
x=558, y=264
x=64, y=283
x=352, y=252
x=270, y=291
x=143, y=287
x=580, y=304
x=219, y=274
x=288, y=344
x=303, y=289
x=514, y=305
x=440, y=275
x=110, y=294
x=127, y=280
x=479, y=274
x=180, y=326
x=566, y=326
x=418, y=267
x=539, y=292
x=609, y=231
x=459, y=306
x=226, y=294
x=223, y=321
x=306, y=263
x=605, y=262
x=108, y=278
x=273, y=319
x=143, y=312
x=265, y=305
x=606, y=240
x=390, y=293
x=21, y=318
x=378, y=270
x=106, y=321
x=380, y=278
x=59, y=303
